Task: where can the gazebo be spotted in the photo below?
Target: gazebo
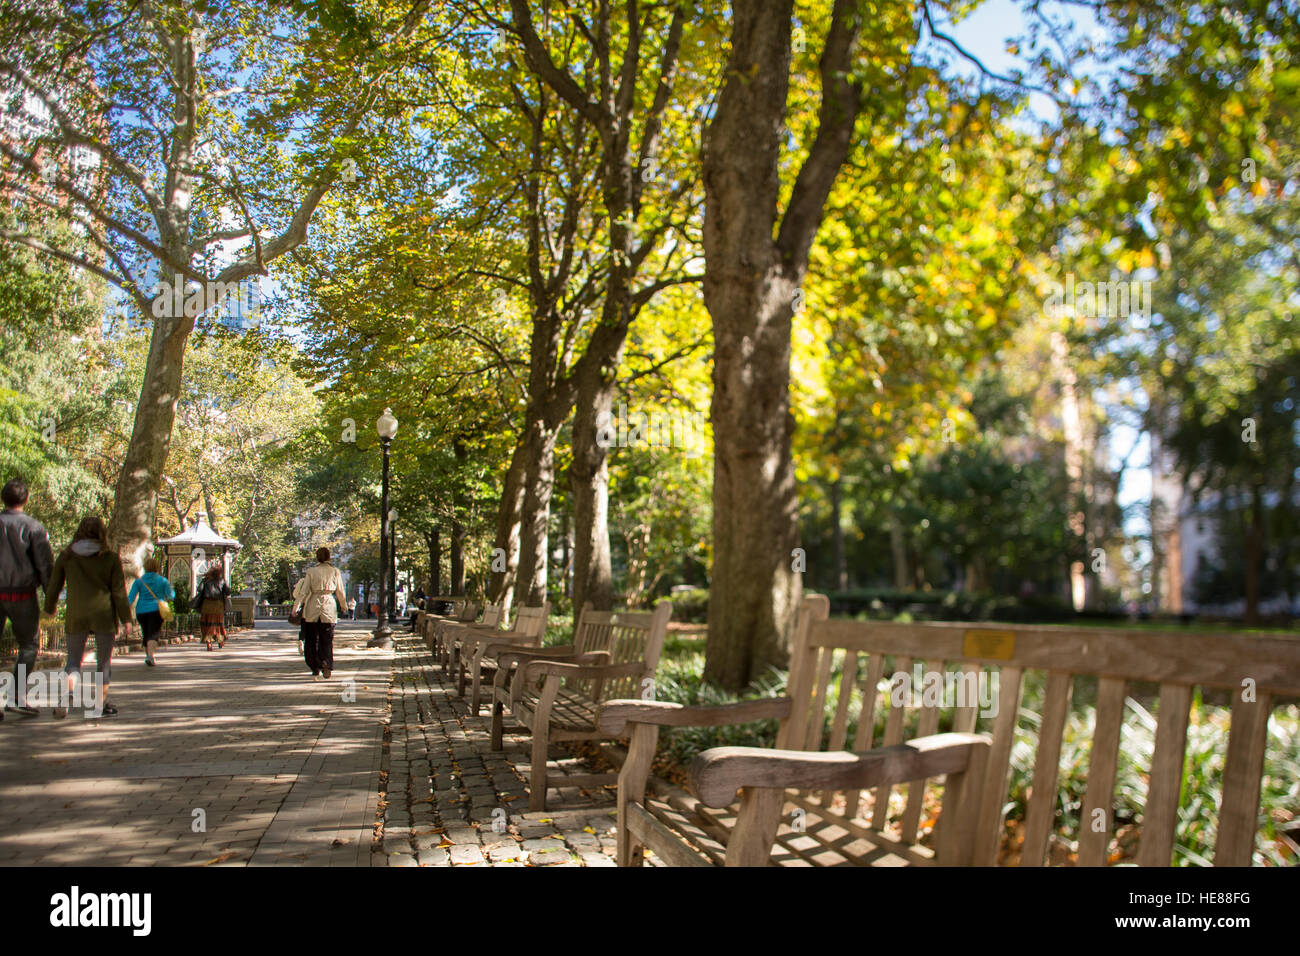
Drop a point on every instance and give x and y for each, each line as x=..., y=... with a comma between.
x=196, y=549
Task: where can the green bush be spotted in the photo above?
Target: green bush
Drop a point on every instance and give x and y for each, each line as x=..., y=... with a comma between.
x=690, y=607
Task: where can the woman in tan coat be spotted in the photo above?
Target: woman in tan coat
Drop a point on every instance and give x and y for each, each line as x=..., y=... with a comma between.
x=321, y=596
x=96, y=601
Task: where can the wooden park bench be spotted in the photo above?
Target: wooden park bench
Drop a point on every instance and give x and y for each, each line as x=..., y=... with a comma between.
x=798, y=804
x=478, y=651
x=554, y=692
x=452, y=633
x=465, y=612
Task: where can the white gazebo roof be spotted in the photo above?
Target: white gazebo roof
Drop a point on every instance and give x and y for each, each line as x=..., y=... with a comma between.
x=200, y=535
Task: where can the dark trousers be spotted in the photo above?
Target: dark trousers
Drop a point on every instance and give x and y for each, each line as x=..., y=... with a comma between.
x=318, y=645
x=25, y=615
x=150, y=625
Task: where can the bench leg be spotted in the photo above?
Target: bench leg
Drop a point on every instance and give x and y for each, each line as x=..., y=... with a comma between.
x=462, y=679
x=476, y=686
x=498, y=722
x=537, y=772
x=631, y=789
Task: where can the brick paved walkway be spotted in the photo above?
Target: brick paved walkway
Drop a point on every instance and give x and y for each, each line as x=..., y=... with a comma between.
x=449, y=800
x=237, y=757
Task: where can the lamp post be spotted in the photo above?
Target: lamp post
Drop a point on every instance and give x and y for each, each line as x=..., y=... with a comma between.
x=392, y=564
x=387, y=428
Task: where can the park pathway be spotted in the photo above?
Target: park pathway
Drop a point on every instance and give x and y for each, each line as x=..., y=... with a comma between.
x=231, y=757
x=236, y=757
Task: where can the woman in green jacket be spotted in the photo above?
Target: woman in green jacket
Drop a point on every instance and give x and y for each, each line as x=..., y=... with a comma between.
x=96, y=601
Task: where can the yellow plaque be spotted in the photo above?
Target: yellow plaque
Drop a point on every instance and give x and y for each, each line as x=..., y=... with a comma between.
x=998, y=645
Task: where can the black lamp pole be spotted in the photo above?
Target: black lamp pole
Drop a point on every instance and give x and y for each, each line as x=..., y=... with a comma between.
x=392, y=569
x=383, y=633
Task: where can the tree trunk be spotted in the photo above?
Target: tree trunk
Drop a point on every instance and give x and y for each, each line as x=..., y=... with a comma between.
x=898, y=550
x=136, y=498
x=837, y=529
x=457, y=556
x=539, y=483
x=506, y=544
x=435, y=562
x=593, y=578
x=1254, y=554
x=749, y=286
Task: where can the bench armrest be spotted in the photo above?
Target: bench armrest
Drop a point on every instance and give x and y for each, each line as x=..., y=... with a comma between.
x=716, y=775
x=587, y=669
x=614, y=715
x=490, y=644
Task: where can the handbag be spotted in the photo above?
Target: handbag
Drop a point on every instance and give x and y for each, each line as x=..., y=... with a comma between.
x=164, y=609
x=295, y=616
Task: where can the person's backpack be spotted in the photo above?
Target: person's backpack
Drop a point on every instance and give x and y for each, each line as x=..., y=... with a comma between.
x=211, y=590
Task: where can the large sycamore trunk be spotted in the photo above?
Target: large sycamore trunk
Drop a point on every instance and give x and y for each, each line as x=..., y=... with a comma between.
x=589, y=481
x=506, y=545
x=756, y=259
x=754, y=589
x=136, y=499
x=534, y=538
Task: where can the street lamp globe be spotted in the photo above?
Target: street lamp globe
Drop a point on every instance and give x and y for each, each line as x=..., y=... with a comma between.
x=387, y=424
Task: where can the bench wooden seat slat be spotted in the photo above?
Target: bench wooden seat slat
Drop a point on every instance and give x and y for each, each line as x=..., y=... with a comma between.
x=1160, y=817
x=1243, y=768
x=1094, y=839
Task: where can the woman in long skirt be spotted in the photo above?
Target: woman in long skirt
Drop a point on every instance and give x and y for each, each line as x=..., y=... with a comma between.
x=212, y=609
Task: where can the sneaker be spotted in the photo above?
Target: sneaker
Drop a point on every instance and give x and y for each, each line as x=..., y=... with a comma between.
x=110, y=710
x=60, y=712
x=149, y=662
x=327, y=672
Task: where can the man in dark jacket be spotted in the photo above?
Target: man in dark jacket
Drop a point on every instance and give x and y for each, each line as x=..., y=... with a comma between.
x=25, y=564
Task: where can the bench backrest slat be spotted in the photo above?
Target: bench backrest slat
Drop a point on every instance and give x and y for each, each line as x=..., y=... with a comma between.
x=491, y=615
x=531, y=621
x=1160, y=816
x=1041, y=812
x=1243, y=767
x=1095, y=828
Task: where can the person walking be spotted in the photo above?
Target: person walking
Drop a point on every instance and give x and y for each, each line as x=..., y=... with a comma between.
x=352, y=608
x=26, y=562
x=97, y=602
x=147, y=592
x=321, y=596
x=213, y=593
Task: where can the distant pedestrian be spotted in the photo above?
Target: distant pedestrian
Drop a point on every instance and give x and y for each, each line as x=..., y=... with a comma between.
x=213, y=593
x=321, y=596
x=26, y=562
x=97, y=602
x=352, y=608
x=147, y=592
